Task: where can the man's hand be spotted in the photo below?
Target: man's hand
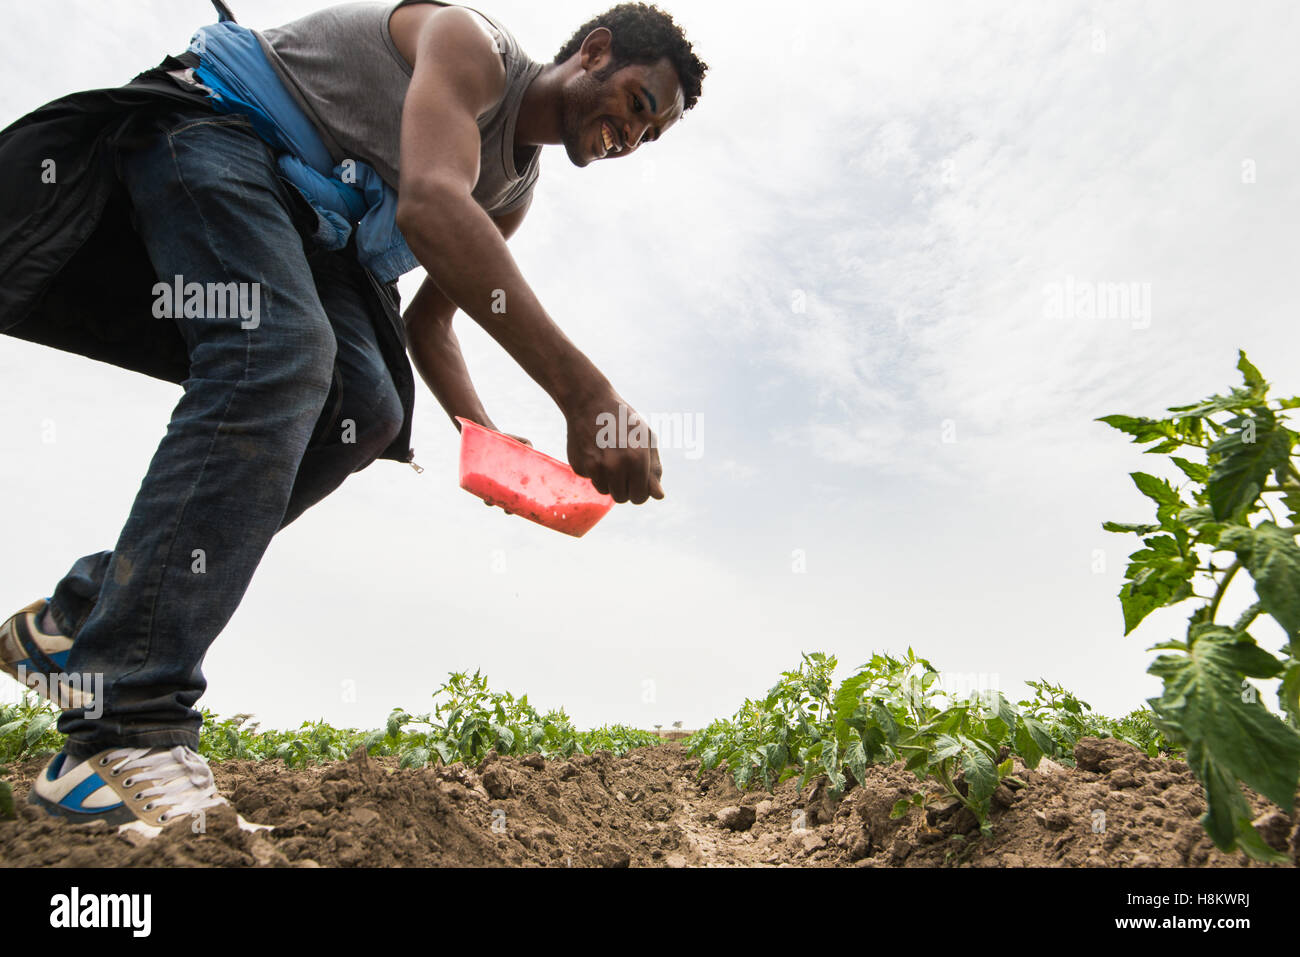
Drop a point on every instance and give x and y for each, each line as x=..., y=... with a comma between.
x=617, y=452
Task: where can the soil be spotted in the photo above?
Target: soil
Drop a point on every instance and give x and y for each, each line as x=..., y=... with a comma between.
x=653, y=808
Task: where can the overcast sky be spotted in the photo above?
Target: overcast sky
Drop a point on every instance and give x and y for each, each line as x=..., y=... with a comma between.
x=843, y=265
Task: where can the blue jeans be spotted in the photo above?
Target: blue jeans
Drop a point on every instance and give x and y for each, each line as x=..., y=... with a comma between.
x=277, y=411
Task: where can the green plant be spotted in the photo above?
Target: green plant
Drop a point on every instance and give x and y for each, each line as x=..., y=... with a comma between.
x=7, y=810
x=239, y=737
x=469, y=719
x=897, y=709
x=1066, y=719
x=1139, y=728
x=892, y=709
x=617, y=739
x=28, y=728
x=780, y=735
x=1240, y=476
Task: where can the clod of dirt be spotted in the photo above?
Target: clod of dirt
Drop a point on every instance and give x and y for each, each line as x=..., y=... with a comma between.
x=497, y=781
x=1102, y=754
x=1275, y=828
x=1122, y=778
x=614, y=855
x=1056, y=819
x=737, y=818
x=820, y=806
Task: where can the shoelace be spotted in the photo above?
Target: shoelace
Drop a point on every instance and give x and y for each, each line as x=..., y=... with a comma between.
x=182, y=778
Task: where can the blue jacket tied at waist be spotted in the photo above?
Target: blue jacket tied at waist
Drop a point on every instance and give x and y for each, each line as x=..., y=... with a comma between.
x=243, y=81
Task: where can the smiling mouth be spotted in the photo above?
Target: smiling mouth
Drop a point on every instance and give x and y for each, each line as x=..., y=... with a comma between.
x=607, y=138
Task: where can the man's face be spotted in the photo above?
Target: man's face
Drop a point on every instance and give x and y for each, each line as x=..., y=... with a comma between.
x=608, y=115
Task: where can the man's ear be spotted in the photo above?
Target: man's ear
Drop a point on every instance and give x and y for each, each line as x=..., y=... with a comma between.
x=596, y=50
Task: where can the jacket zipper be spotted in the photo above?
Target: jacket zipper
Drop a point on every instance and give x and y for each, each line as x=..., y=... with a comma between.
x=410, y=460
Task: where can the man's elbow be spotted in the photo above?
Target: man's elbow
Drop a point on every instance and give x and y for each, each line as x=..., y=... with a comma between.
x=421, y=206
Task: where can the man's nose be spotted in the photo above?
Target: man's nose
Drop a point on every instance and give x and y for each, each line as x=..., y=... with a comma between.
x=633, y=134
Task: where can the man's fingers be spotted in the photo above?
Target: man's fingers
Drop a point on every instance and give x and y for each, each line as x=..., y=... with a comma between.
x=638, y=489
x=656, y=487
x=618, y=486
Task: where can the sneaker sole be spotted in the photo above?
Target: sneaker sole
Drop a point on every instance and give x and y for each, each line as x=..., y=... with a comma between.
x=119, y=815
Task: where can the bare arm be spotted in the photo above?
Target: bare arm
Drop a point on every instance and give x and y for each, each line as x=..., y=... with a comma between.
x=435, y=350
x=457, y=76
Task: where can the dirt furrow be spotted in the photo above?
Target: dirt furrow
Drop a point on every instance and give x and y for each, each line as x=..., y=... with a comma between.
x=653, y=808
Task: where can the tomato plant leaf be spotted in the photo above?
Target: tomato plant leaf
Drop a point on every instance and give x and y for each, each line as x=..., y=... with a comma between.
x=946, y=746
x=856, y=760
x=1244, y=459
x=1193, y=470
x=1272, y=557
x=1130, y=527
x=1143, y=430
x=38, y=726
x=1158, y=490
x=1227, y=818
x=1159, y=575
x=1254, y=381
x=981, y=773
x=903, y=805
x=1203, y=704
x=1288, y=692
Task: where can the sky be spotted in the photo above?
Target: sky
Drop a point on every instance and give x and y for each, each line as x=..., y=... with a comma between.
x=855, y=270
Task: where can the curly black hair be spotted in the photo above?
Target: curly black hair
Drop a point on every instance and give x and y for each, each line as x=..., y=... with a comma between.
x=643, y=34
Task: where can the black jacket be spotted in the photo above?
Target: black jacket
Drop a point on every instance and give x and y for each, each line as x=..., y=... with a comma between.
x=73, y=273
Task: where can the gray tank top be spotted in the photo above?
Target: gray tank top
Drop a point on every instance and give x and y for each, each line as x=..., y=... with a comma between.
x=346, y=73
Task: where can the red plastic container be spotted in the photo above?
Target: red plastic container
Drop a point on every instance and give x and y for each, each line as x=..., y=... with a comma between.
x=528, y=483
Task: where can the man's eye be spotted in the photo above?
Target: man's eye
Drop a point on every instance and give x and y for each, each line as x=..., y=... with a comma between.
x=636, y=104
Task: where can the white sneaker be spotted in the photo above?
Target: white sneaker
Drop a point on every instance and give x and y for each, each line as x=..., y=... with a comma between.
x=139, y=789
x=38, y=659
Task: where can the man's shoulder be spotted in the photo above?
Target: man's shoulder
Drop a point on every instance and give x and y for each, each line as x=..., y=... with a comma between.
x=505, y=43
x=463, y=38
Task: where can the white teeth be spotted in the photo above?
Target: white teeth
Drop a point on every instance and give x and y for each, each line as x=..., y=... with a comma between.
x=609, y=140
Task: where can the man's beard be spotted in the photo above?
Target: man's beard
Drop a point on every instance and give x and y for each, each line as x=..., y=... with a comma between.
x=580, y=104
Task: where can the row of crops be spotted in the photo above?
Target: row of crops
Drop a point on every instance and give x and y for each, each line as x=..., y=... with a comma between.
x=897, y=709
x=468, y=720
x=891, y=709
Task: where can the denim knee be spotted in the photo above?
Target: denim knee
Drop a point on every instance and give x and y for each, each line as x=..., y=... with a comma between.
x=298, y=369
x=314, y=350
x=373, y=420
x=389, y=415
